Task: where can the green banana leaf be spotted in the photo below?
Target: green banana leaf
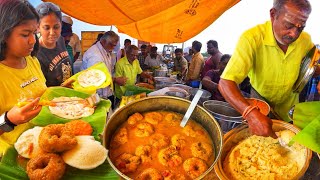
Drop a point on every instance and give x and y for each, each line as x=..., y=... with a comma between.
x=310, y=135
x=97, y=120
x=304, y=113
x=92, y=89
x=133, y=90
x=9, y=167
x=11, y=170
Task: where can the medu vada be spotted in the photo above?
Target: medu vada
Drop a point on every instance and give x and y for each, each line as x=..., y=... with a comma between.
x=46, y=166
x=55, y=138
x=194, y=167
x=150, y=174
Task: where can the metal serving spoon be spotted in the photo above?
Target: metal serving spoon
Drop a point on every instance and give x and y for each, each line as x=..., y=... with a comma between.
x=193, y=104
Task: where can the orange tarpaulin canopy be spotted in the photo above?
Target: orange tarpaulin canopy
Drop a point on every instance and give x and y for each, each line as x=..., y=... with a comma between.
x=160, y=21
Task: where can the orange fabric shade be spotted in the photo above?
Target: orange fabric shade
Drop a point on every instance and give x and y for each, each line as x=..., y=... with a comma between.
x=160, y=21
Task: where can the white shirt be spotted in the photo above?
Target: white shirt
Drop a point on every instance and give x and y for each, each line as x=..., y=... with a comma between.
x=152, y=62
x=96, y=53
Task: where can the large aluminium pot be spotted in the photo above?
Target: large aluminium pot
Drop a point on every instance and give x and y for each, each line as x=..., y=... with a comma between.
x=169, y=103
x=224, y=113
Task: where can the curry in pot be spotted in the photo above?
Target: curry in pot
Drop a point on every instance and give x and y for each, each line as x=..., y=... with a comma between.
x=154, y=146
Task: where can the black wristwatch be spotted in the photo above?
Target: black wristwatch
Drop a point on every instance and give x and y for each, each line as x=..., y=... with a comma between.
x=5, y=124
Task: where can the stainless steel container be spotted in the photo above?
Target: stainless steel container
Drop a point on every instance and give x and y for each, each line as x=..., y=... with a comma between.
x=200, y=115
x=224, y=113
x=204, y=97
x=178, y=92
x=161, y=82
x=307, y=68
x=238, y=134
x=160, y=73
x=182, y=86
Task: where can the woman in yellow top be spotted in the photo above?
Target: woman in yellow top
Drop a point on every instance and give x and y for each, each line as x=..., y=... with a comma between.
x=21, y=76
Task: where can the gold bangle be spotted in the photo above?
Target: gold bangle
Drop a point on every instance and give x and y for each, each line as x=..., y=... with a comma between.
x=248, y=110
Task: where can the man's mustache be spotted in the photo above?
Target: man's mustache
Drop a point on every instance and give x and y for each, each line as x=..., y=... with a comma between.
x=288, y=38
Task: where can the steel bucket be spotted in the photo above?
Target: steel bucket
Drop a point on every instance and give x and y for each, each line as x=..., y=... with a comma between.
x=225, y=114
x=204, y=97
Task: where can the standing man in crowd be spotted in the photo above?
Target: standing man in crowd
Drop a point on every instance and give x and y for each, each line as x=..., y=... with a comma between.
x=122, y=52
x=142, y=56
x=196, y=64
x=154, y=59
x=102, y=52
x=211, y=79
x=66, y=33
x=188, y=57
x=215, y=55
x=270, y=54
x=74, y=40
x=180, y=63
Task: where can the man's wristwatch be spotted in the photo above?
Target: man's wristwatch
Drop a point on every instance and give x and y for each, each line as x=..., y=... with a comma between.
x=5, y=124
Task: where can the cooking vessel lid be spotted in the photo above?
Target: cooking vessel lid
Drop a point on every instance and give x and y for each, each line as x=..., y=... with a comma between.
x=307, y=68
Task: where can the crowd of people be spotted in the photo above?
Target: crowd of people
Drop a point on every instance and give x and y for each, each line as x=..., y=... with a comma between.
x=38, y=49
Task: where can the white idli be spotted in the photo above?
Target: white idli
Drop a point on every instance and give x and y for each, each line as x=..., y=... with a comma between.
x=27, y=144
x=88, y=154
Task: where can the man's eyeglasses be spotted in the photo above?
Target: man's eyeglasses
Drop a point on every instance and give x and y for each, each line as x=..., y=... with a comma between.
x=47, y=7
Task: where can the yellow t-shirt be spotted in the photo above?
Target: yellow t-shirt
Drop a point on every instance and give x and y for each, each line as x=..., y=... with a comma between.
x=14, y=85
x=124, y=68
x=271, y=71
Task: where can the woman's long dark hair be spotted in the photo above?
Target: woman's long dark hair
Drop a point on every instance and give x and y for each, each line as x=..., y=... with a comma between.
x=12, y=14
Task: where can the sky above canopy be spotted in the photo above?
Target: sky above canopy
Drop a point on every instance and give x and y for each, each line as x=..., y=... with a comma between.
x=227, y=28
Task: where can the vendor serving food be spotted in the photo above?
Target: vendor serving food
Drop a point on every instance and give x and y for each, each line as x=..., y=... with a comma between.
x=270, y=54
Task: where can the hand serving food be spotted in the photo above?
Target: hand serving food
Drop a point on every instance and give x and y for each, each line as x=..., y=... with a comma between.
x=260, y=124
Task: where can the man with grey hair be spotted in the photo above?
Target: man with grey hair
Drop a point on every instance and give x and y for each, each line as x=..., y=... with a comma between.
x=102, y=52
x=270, y=54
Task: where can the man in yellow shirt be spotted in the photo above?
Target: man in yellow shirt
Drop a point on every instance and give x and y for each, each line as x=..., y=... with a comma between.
x=196, y=64
x=270, y=54
x=129, y=67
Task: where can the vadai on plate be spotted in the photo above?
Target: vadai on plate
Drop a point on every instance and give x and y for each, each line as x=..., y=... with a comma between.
x=46, y=166
x=55, y=138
